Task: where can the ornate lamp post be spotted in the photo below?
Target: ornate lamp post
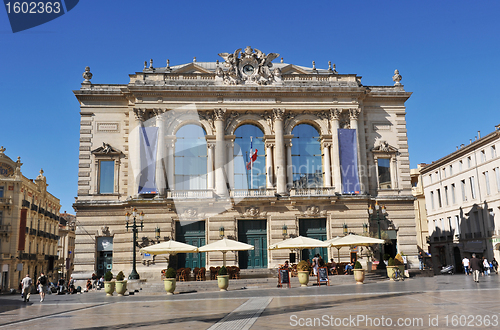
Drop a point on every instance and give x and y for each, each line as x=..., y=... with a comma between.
x=134, y=275
x=377, y=214
x=221, y=232
x=157, y=234
x=284, y=231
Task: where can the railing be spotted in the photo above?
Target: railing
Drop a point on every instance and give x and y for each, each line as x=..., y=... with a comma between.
x=4, y=228
x=32, y=231
x=191, y=194
x=25, y=203
x=5, y=201
x=34, y=207
x=252, y=192
x=312, y=192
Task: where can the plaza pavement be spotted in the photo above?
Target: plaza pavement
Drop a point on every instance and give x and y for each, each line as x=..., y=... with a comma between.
x=440, y=302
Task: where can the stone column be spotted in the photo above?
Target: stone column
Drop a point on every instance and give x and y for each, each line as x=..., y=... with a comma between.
x=280, y=171
x=210, y=165
x=171, y=162
x=161, y=159
x=230, y=162
x=337, y=181
x=326, y=163
x=135, y=149
x=220, y=153
x=354, y=115
x=269, y=165
x=289, y=166
x=362, y=152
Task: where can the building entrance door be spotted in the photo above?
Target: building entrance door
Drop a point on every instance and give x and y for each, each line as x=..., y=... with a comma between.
x=192, y=233
x=253, y=232
x=313, y=228
x=104, y=258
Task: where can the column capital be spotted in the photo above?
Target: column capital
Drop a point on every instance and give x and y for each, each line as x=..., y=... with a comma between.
x=269, y=144
x=158, y=112
x=354, y=113
x=210, y=145
x=278, y=114
x=219, y=114
x=335, y=113
x=140, y=114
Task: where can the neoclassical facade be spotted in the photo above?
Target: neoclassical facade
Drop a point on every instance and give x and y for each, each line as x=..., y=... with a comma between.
x=258, y=151
x=29, y=218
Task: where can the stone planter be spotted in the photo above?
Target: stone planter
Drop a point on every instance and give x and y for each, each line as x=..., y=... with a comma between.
x=223, y=282
x=121, y=287
x=109, y=288
x=359, y=275
x=303, y=277
x=169, y=284
x=390, y=271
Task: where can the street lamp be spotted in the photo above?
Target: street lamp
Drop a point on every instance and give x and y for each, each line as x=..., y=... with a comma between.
x=376, y=214
x=134, y=275
x=157, y=234
x=344, y=226
x=221, y=232
x=284, y=230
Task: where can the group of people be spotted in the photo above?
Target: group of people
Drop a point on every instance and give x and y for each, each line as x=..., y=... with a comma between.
x=26, y=284
x=482, y=266
x=94, y=283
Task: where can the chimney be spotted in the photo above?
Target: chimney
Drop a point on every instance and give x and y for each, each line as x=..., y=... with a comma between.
x=478, y=134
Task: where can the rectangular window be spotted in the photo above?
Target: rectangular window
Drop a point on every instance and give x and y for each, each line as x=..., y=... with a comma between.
x=442, y=225
x=446, y=196
x=384, y=173
x=469, y=162
x=453, y=193
x=464, y=193
x=450, y=227
x=451, y=170
x=1, y=218
x=493, y=152
x=487, y=182
x=457, y=225
x=432, y=200
x=483, y=156
x=444, y=172
x=460, y=165
x=439, y=198
x=497, y=174
x=1, y=191
x=106, y=176
x=472, y=188
x=430, y=177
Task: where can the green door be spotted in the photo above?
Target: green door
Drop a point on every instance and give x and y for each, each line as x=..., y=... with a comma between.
x=253, y=232
x=194, y=234
x=313, y=228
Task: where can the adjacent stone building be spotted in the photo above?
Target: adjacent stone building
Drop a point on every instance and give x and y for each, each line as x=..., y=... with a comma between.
x=66, y=245
x=462, y=195
x=246, y=148
x=28, y=225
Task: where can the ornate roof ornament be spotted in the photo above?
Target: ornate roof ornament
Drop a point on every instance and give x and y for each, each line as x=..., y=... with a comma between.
x=253, y=67
x=87, y=75
x=397, y=78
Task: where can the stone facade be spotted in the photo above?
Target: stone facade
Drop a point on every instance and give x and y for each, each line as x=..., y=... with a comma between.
x=462, y=195
x=28, y=225
x=420, y=211
x=136, y=129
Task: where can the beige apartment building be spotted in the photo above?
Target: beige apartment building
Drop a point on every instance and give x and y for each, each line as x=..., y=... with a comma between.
x=246, y=148
x=462, y=194
x=66, y=245
x=28, y=225
x=420, y=211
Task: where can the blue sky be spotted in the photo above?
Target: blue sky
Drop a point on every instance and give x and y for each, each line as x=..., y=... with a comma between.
x=446, y=51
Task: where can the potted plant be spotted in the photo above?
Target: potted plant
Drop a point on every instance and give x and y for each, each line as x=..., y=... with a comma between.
x=109, y=286
x=223, y=279
x=359, y=273
x=121, y=284
x=390, y=268
x=169, y=281
x=303, y=269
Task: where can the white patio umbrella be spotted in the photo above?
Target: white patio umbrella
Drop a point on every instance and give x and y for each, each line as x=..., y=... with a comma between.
x=333, y=240
x=299, y=243
x=169, y=247
x=354, y=240
x=224, y=245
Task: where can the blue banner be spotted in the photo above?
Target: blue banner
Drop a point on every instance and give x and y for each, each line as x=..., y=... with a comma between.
x=148, y=144
x=349, y=161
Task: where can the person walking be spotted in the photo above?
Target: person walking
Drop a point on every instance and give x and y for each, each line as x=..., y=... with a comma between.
x=42, y=286
x=26, y=285
x=421, y=260
x=486, y=266
x=475, y=265
x=494, y=263
x=465, y=262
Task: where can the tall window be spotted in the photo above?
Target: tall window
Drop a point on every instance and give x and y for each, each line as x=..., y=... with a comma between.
x=446, y=196
x=1, y=218
x=384, y=173
x=430, y=177
x=469, y=162
x=487, y=182
x=457, y=225
x=472, y=188
x=1, y=191
x=493, y=152
x=249, y=173
x=451, y=170
x=106, y=176
x=444, y=172
x=464, y=194
x=306, y=157
x=432, y=199
x=450, y=225
x=483, y=156
x=453, y=193
x=439, y=198
x=190, y=158
x=460, y=165
x=497, y=174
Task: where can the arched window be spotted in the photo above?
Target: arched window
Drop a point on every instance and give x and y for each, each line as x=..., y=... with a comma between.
x=190, y=158
x=306, y=157
x=249, y=172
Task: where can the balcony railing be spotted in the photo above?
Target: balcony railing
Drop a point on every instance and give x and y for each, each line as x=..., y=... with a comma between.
x=252, y=192
x=32, y=231
x=312, y=192
x=5, y=201
x=4, y=228
x=191, y=194
x=25, y=203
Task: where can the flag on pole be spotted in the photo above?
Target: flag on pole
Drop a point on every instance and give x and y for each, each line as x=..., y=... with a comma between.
x=253, y=158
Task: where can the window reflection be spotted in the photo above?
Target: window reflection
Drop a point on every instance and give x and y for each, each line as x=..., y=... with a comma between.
x=106, y=176
x=190, y=158
x=306, y=157
x=247, y=174
x=384, y=173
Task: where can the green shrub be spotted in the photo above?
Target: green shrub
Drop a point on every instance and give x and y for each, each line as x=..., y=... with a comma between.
x=390, y=262
x=387, y=256
x=357, y=265
x=108, y=276
x=223, y=271
x=120, y=276
x=303, y=266
x=171, y=273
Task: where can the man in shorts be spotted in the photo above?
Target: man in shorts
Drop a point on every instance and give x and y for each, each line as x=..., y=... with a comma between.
x=42, y=286
x=26, y=286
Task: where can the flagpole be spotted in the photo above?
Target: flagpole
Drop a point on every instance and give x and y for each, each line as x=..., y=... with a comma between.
x=251, y=163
